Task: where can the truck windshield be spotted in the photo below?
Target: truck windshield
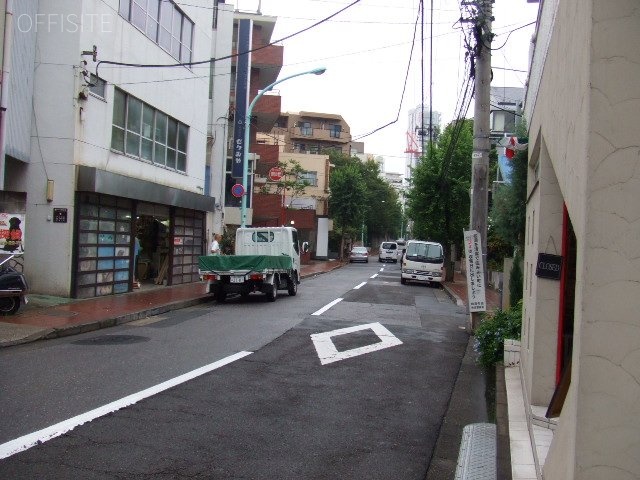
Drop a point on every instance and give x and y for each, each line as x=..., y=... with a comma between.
x=425, y=252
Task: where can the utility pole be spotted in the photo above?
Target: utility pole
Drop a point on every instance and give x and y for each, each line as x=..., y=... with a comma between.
x=481, y=140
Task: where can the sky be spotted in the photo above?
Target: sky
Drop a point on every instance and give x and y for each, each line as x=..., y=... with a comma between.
x=367, y=49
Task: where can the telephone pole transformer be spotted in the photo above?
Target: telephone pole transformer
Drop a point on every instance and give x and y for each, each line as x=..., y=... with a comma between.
x=481, y=139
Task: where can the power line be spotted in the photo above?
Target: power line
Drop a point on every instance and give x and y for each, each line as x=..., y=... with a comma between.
x=404, y=87
x=233, y=55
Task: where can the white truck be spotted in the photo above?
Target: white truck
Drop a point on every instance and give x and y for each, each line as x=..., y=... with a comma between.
x=267, y=259
x=423, y=262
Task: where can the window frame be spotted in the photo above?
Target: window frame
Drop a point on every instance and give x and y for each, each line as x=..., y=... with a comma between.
x=159, y=141
x=183, y=51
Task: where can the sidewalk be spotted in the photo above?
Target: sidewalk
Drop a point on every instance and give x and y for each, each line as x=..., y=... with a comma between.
x=51, y=317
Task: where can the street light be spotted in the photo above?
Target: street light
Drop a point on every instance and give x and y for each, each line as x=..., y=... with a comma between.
x=245, y=166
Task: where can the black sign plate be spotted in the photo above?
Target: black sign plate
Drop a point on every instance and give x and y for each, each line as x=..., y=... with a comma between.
x=59, y=215
x=549, y=266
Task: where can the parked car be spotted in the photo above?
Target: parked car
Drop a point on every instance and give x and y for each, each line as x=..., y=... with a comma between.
x=359, y=254
x=388, y=252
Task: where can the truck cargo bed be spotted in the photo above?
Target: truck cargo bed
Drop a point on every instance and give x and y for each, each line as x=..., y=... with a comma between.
x=257, y=263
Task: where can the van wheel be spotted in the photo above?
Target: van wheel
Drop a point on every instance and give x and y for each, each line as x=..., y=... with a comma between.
x=9, y=305
x=292, y=285
x=403, y=281
x=272, y=293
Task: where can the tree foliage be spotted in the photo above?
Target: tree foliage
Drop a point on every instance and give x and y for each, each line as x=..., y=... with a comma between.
x=508, y=212
x=438, y=201
x=358, y=186
x=291, y=182
x=347, y=200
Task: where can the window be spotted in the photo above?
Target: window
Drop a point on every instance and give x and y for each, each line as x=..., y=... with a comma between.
x=335, y=130
x=310, y=177
x=305, y=128
x=164, y=23
x=97, y=86
x=139, y=130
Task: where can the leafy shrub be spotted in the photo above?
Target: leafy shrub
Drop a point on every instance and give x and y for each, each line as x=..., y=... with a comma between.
x=516, y=281
x=494, y=329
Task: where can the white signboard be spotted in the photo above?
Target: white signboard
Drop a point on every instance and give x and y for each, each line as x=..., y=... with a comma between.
x=475, y=271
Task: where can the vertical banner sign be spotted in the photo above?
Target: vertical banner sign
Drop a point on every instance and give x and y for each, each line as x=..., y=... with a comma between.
x=243, y=67
x=475, y=271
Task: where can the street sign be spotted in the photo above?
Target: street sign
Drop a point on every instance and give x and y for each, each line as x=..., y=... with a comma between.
x=275, y=174
x=237, y=190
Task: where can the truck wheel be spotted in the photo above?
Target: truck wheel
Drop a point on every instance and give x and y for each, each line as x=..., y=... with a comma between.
x=272, y=293
x=292, y=285
x=221, y=295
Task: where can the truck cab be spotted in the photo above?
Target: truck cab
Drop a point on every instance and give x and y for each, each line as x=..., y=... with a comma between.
x=423, y=262
x=269, y=241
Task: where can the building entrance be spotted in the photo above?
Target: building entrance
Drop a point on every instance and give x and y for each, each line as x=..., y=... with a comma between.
x=152, y=233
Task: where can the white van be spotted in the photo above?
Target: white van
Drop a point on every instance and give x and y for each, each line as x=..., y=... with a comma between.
x=388, y=252
x=423, y=262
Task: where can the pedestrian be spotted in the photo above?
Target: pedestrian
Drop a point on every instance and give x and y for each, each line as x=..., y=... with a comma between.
x=136, y=253
x=215, y=244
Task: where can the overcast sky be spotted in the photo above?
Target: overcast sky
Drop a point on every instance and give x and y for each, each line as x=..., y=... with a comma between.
x=366, y=51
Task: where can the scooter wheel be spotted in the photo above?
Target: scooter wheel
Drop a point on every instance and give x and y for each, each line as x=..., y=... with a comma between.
x=9, y=305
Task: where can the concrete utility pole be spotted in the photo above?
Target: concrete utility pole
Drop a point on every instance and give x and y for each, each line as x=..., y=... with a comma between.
x=481, y=140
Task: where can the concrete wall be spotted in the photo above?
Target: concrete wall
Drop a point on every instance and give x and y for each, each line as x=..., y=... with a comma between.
x=584, y=114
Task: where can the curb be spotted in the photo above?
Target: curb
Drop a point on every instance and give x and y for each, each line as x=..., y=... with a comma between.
x=453, y=296
x=123, y=319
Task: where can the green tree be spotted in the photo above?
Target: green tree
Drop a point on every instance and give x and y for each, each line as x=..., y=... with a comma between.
x=508, y=212
x=347, y=202
x=438, y=200
x=291, y=183
x=383, y=207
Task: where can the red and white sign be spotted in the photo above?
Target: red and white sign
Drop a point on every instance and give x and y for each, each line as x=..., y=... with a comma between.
x=275, y=174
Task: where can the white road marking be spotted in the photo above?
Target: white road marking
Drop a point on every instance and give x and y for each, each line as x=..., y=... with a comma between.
x=326, y=307
x=374, y=275
x=328, y=353
x=358, y=287
x=27, y=441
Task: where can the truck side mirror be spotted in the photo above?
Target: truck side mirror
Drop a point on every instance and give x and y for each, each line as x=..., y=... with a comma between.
x=305, y=247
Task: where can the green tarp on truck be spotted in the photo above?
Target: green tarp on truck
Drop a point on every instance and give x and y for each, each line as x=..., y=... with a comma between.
x=257, y=263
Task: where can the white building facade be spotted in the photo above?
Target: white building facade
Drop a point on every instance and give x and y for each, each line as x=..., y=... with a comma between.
x=102, y=153
x=580, y=366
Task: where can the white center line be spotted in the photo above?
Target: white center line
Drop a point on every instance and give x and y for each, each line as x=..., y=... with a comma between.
x=357, y=287
x=27, y=441
x=326, y=307
x=374, y=275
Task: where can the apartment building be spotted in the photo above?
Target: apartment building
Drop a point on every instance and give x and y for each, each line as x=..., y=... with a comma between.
x=304, y=138
x=313, y=133
x=265, y=65
x=97, y=153
x=581, y=329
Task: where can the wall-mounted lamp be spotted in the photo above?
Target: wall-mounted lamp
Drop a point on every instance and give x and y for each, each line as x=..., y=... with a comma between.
x=49, y=190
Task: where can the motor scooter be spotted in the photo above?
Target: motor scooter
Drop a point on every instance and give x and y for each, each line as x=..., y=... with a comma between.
x=13, y=288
